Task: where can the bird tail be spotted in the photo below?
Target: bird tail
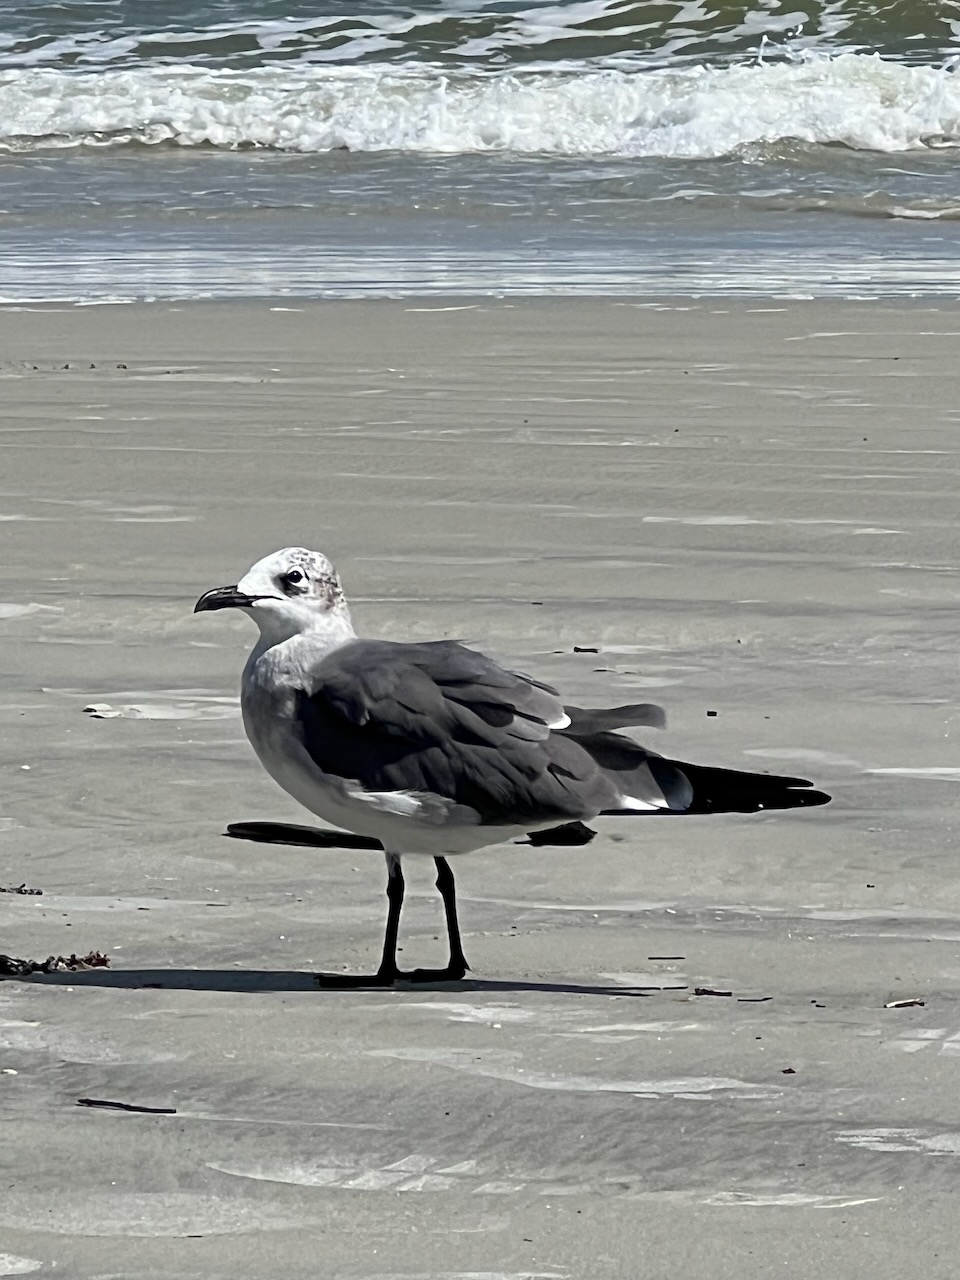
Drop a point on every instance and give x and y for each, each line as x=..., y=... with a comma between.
x=714, y=790
x=648, y=782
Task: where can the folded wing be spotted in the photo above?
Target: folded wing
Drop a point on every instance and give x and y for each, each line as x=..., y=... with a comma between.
x=450, y=728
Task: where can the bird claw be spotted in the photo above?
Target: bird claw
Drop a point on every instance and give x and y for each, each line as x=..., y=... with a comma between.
x=351, y=981
x=452, y=973
x=390, y=976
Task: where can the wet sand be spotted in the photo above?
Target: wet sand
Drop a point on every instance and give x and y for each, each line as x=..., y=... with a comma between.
x=745, y=509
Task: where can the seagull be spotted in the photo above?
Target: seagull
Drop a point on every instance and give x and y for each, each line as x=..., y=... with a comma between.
x=434, y=749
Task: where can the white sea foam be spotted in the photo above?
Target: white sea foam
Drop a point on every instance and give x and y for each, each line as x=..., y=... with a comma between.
x=860, y=101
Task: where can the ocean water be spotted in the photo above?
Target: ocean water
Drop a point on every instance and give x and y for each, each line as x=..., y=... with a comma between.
x=647, y=147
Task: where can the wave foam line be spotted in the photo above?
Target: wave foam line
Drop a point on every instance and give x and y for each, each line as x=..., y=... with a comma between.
x=857, y=100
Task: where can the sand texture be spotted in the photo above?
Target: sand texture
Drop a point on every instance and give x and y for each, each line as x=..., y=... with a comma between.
x=744, y=509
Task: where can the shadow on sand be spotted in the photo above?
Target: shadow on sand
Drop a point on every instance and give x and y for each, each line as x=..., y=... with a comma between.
x=258, y=981
x=293, y=833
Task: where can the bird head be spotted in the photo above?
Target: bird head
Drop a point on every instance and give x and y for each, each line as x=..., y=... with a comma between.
x=286, y=593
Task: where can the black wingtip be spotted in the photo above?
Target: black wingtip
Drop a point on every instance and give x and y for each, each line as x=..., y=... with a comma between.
x=802, y=793
x=810, y=799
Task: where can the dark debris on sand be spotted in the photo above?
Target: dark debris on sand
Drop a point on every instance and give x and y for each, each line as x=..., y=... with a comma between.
x=22, y=889
x=11, y=967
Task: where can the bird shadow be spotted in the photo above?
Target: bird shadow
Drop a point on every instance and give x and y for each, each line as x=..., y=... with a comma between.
x=256, y=981
x=261, y=981
x=294, y=833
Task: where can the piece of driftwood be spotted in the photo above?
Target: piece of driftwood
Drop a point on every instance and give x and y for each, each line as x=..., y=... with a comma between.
x=106, y=1105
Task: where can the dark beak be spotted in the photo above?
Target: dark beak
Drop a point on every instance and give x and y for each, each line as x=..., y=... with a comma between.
x=223, y=598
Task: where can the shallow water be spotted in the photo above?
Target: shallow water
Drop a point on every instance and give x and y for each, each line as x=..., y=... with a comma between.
x=602, y=146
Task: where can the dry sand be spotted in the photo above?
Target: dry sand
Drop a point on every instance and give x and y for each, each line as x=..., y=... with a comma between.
x=746, y=509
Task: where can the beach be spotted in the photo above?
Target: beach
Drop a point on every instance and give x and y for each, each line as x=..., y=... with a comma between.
x=742, y=509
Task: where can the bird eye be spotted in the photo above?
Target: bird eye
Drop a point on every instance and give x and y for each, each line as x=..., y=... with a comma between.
x=292, y=578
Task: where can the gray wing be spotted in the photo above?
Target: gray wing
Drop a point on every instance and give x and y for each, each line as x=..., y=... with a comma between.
x=442, y=722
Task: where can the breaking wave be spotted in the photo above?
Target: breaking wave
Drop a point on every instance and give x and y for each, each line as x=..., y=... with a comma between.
x=853, y=100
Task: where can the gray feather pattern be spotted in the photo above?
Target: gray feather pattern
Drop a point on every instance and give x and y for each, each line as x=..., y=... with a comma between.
x=440, y=719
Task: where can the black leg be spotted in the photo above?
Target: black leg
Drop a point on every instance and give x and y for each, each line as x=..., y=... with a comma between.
x=388, y=973
x=457, y=964
x=448, y=891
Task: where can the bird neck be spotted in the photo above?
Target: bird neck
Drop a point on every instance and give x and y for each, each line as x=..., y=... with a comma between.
x=325, y=632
